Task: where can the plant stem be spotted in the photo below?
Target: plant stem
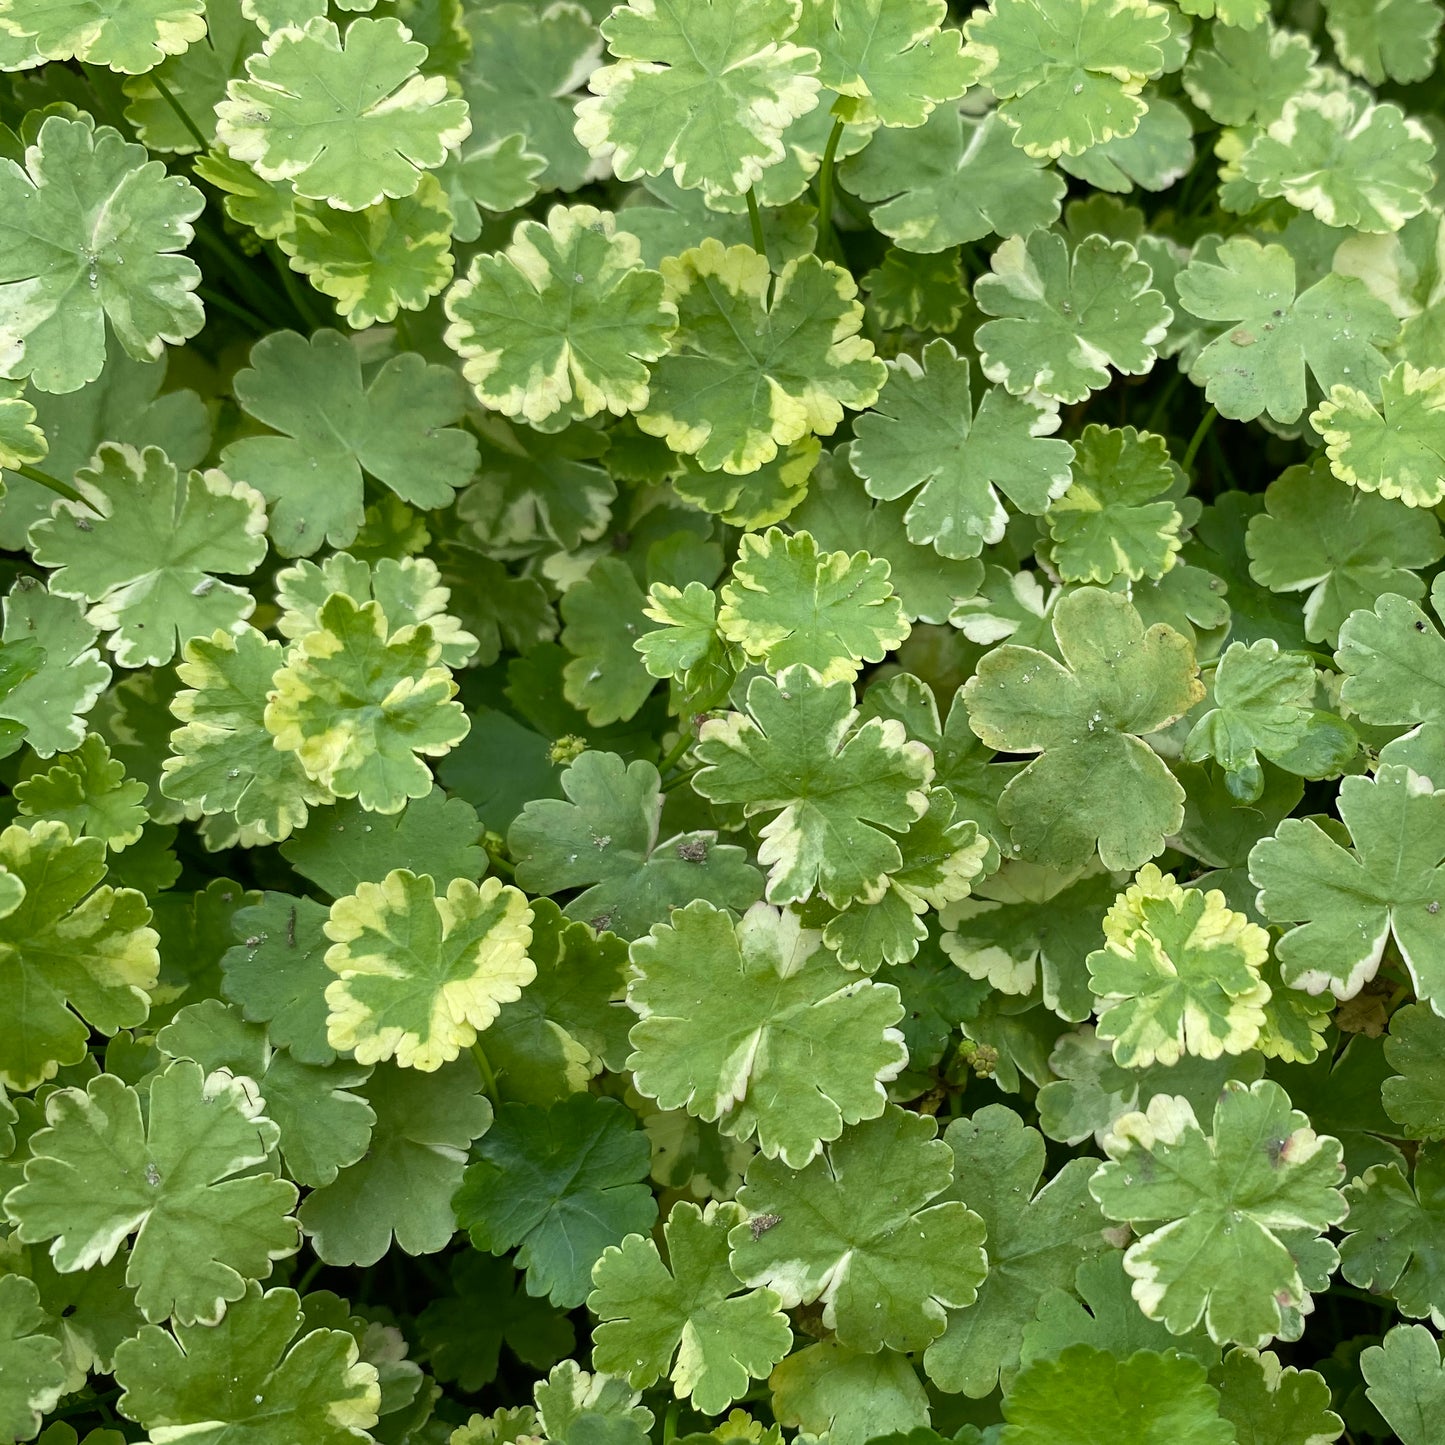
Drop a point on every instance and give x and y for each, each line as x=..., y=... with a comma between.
x=669, y=1422
x=755, y=220
x=675, y=752
x=169, y=96
x=489, y=1079
x=298, y=297
x=241, y=314
x=44, y=479
x=307, y=1276
x=827, y=238
x=255, y=290
x=1197, y=440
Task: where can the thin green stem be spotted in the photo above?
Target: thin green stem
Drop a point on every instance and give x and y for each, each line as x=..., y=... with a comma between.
x=1197, y=440
x=489, y=1079
x=169, y=96
x=295, y=293
x=307, y=1276
x=240, y=313
x=675, y=753
x=257, y=293
x=827, y=237
x=755, y=220
x=669, y=1422
x=44, y=479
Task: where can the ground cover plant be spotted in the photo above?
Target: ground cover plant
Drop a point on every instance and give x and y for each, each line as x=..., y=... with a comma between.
x=721, y=721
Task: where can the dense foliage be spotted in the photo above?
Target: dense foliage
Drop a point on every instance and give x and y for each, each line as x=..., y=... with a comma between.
x=720, y=721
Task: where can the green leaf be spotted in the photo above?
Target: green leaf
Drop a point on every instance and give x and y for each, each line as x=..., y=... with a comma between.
x=1035, y=1242
x=1068, y=73
x=1108, y=523
x=604, y=616
x=419, y=974
x=1347, y=160
x=402, y=1189
x=921, y=291
x=1265, y=331
x=1221, y=1202
x=1248, y=75
x=686, y=1318
x=1396, y=448
x=144, y=547
x=955, y=180
x=34, y=1372
x=497, y=176
x=75, y=954
x=222, y=758
x=604, y=839
x=1066, y=318
x=757, y=1027
x=1156, y=155
x=561, y=1183
x=49, y=704
x=88, y=791
x=356, y=704
x=888, y=57
x=1095, y=782
x=788, y=604
x=1268, y=1405
x=1342, y=546
x=749, y=373
x=886, y=1264
x=563, y=323
x=799, y=752
x=1406, y=1381
x=1415, y=1097
x=333, y=428
x=249, y=1378
x=92, y=203
x=1347, y=904
x=575, y=1408
x=924, y=433
x=852, y=1396
x=345, y=121
x=184, y=1182
x=699, y=88
x=390, y=257
x=1398, y=39
x=1179, y=973
x=1393, y=1233
x=130, y=36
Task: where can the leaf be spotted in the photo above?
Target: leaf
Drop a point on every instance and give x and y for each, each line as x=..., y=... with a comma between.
x=854, y=1397
x=1397, y=448
x=1094, y=782
x=574, y=1408
x=144, y=547
x=88, y=791
x=1156, y=155
x=1268, y=1405
x=1067, y=73
x=21, y=441
x=732, y=1026
x=1345, y=159
x=33, y=1369
x=250, y=1377
x=561, y=324
x=561, y=1183
x=1392, y=1233
x=697, y=88
x=1248, y=75
x=420, y=975
x=788, y=604
x=885, y=1264
x=1348, y=904
x=1147, y=1399
x=75, y=953
x=1108, y=523
x=333, y=428
x=1415, y=1097
x=732, y=401
x=921, y=291
x=1265, y=331
x=686, y=1318
x=496, y=176
x=391, y=126
x=390, y=257
x=604, y=839
x=1223, y=1201
x=183, y=1182
x=402, y=1188
x=130, y=36
x=890, y=60
x=92, y=203
x=924, y=430
x=954, y=180
x=834, y=785
x=604, y=616
x=356, y=704
x=1399, y=39
x=525, y=63
x=1035, y=1242
x=1065, y=319
x=1406, y=1381
x=222, y=758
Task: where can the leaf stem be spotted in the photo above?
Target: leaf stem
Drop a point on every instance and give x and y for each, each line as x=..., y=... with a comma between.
x=240, y=313
x=1197, y=440
x=298, y=298
x=489, y=1079
x=669, y=1422
x=827, y=237
x=252, y=287
x=44, y=479
x=755, y=220
x=675, y=752
x=307, y=1276
x=169, y=96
